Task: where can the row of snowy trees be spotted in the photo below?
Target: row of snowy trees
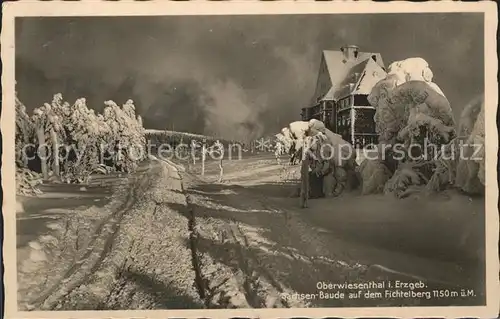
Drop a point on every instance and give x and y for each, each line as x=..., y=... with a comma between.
x=70, y=142
x=158, y=137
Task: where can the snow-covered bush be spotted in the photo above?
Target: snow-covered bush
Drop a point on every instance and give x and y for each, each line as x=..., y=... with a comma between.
x=24, y=133
x=406, y=178
x=126, y=139
x=373, y=175
x=413, y=69
x=413, y=114
x=50, y=133
x=296, y=132
x=27, y=182
x=70, y=140
x=318, y=137
x=294, y=135
x=328, y=155
x=402, y=110
x=85, y=131
x=470, y=171
x=286, y=143
x=336, y=160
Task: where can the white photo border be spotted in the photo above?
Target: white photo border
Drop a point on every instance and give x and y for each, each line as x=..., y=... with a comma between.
x=156, y=8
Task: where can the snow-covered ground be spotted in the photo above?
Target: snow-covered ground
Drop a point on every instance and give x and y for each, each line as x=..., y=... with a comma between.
x=169, y=238
x=358, y=237
x=81, y=257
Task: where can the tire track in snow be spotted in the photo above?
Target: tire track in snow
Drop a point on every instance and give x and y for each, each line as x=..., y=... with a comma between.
x=251, y=278
x=99, y=246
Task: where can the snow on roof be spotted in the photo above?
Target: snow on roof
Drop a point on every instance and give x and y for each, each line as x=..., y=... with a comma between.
x=360, y=79
x=372, y=74
x=348, y=85
x=342, y=72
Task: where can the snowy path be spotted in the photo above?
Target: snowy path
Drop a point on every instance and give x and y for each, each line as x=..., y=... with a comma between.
x=171, y=239
x=130, y=257
x=277, y=249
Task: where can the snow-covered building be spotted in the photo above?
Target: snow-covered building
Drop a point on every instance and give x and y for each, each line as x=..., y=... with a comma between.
x=345, y=79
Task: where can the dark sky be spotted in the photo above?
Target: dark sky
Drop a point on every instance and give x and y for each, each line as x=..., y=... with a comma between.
x=234, y=76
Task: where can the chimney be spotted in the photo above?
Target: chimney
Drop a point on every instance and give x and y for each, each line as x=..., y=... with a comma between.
x=350, y=52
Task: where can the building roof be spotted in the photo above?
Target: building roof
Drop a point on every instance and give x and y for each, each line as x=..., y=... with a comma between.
x=336, y=73
x=360, y=79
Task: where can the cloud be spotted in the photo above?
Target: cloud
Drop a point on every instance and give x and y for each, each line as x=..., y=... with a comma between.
x=231, y=75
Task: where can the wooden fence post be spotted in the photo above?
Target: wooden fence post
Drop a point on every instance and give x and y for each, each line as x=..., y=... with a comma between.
x=304, y=181
x=203, y=157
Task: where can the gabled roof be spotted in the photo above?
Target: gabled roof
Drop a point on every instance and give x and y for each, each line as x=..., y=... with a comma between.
x=360, y=79
x=372, y=74
x=340, y=72
x=351, y=79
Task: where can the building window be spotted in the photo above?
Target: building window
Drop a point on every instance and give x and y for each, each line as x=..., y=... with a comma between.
x=345, y=102
x=361, y=100
x=364, y=121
